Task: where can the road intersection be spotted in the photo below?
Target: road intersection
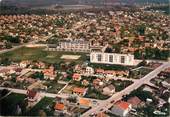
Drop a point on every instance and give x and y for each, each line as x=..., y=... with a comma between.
x=105, y=105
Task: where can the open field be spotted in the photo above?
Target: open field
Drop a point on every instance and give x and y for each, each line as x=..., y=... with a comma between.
x=8, y=104
x=26, y=53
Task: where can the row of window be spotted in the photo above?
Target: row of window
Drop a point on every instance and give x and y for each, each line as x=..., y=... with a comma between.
x=99, y=58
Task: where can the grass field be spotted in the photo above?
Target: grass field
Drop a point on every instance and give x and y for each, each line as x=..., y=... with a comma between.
x=26, y=53
x=9, y=103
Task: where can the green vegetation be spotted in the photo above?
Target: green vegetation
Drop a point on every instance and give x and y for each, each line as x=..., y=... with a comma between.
x=143, y=95
x=60, y=22
x=9, y=104
x=38, y=75
x=152, y=53
x=5, y=61
x=26, y=53
x=94, y=93
x=108, y=67
x=46, y=104
x=11, y=39
x=139, y=73
x=53, y=87
x=120, y=85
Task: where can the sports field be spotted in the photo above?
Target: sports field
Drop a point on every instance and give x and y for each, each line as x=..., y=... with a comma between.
x=26, y=53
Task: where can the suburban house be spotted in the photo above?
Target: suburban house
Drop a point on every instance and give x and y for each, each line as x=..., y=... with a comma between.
x=49, y=73
x=89, y=71
x=24, y=64
x=85, y=82
x=4, y=72
x=101, y=114
x=166, y=84
x=59, y=107
x=40, y=65
x=97, y=83
x=135, y=101
x=121, y=108
x=17, y=70
x=79, y=91
x=32, y=95
x=76, y=77
x=109, y=90
x=84, y=103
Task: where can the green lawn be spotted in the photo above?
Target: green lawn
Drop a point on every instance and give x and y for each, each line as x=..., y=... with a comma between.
x=93, y=93
x=53, y=87
x=139, y=73
x=26, y=53
x=8, y=104
x=42, y=105
x=120, y=85
x=109, y=67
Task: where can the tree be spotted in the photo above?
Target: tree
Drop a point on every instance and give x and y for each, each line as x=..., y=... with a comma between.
x=13, y=77
x=39, y=75
x=5, y=61
x=8, y=45
x=72, y=99
x=12, y=39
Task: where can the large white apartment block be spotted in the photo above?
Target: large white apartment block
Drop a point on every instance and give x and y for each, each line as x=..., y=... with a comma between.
x=72, y=45
x=112, y=58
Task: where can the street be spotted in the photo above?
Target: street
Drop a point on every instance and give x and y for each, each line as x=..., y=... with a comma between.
x=105, y=105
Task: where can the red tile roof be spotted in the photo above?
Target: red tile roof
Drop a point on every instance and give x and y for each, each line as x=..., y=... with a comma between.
x=79, y=90
x=123, y=105
x=59, y=106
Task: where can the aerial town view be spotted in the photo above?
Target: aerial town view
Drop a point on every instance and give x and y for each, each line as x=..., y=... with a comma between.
x=85, y=58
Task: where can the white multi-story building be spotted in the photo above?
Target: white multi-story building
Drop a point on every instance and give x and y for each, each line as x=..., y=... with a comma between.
x=78, y=45
x=112, y=58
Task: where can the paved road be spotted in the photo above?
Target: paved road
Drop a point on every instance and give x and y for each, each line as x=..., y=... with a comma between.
x=105, y=105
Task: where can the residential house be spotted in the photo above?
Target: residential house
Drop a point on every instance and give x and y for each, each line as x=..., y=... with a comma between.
x=166, y=84
x=49, y=73
x=109, y=90
x=24, y=64
x=32, y=95
x=79, y=91
x=76, y=77
x=99, y=71
x=84, y=103
x=97, y=83
x=59, y=107
x=101, y=114
x=89, y=71
x=40, y=65
x=85, y=82
x=4, y=72
x=17, y=70
x=135, y=101
x=121, y=108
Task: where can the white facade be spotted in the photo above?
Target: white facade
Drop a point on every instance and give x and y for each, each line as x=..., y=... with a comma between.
x=112, y=58
x=72, y=45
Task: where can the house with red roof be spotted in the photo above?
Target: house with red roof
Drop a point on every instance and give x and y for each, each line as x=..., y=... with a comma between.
x=76, y=77
x=79, y=91
x=49, y=73
x=121, y=108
